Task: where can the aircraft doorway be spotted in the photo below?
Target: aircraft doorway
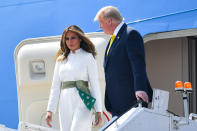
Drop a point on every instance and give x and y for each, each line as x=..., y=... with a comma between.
x=172, y=56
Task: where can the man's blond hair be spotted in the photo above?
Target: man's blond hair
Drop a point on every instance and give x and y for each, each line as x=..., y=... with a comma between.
x=109, y=12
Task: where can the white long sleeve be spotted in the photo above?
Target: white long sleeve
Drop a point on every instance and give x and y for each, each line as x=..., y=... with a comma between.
x=80, y=65
x=94, y=83
x=55, y=90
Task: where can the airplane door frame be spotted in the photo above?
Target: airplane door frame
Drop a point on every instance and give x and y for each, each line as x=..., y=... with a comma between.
x=192, y=65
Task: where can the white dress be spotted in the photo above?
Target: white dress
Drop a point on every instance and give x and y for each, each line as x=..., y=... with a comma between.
x=73, y=114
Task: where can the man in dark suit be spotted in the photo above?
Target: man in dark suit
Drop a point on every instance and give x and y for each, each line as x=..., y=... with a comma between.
x=124, y=64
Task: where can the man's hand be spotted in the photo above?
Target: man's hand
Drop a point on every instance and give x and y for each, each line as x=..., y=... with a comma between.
x=142, y=95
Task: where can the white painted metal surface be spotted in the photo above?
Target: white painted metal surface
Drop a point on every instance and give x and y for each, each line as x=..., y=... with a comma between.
x=155, y=119
x=160, y=100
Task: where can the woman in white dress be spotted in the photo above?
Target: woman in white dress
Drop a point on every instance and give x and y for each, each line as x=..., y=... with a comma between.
x=75, y=69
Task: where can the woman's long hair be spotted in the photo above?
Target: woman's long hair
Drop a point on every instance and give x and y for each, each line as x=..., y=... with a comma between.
x=85, y=43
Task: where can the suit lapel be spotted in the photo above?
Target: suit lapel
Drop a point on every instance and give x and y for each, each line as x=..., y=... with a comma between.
x=115, y=43
x=105, y=56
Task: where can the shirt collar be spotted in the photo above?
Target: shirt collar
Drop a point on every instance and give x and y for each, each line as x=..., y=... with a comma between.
x=118, y=28
x=76, y=51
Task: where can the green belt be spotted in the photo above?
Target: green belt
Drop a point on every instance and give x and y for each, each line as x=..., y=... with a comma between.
x=83, y=90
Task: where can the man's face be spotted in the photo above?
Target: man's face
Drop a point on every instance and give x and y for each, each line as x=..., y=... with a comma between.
x=105, y=25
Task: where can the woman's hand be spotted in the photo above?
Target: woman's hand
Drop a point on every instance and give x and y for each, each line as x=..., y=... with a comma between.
x=99, y=119
x=49, y=118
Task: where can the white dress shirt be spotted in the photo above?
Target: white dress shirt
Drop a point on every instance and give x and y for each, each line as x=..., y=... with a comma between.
x=118, y=28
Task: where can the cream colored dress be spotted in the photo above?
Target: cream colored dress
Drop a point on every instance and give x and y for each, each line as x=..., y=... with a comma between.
x=73, y=114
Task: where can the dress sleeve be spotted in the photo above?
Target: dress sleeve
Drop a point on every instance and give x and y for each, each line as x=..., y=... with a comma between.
x=55, y=90
x=94, y=82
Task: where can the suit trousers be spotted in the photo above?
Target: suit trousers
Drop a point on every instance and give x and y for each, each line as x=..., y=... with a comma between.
x=73, y=114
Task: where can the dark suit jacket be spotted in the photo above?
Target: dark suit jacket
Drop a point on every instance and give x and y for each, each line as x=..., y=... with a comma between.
x=125, y=71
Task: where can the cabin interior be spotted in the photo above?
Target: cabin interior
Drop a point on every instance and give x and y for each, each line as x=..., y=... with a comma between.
x=172, y=56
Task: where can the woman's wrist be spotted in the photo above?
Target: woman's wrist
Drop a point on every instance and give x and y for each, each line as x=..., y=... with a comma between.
x=49, y=112
x=98, y=113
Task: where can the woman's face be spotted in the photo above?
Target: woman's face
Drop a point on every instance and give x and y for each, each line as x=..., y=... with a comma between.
x=72, y=41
